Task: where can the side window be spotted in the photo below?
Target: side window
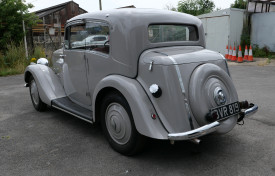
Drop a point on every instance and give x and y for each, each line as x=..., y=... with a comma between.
x=77, y=37
x=97, y=37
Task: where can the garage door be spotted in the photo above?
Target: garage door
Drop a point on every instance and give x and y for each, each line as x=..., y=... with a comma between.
x=216, y=33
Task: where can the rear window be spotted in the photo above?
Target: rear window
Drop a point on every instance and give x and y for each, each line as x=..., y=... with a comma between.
x=171, y=33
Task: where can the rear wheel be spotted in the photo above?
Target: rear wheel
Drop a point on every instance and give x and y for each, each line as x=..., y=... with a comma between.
x=36, y=101
x=118, y=125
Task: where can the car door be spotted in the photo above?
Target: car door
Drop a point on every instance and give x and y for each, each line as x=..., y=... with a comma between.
x=75, y=65
x=97, y=52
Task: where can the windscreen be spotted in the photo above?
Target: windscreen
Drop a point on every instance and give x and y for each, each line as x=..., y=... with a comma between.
x=172, y=32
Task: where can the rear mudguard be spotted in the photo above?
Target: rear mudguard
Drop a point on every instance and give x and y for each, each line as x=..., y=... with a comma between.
x=141, y=107
x=49, y=86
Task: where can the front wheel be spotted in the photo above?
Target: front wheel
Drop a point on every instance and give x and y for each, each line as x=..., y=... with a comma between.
x=36, y=101
x=118, y=125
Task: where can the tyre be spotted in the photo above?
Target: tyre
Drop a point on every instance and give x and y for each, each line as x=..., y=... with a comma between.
x=36, y=100
x=118, y=125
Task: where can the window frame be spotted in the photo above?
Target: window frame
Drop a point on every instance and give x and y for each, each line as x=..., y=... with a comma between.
x=175, y=24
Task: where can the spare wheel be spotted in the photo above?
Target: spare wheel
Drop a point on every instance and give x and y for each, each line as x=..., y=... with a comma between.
x=206, y=81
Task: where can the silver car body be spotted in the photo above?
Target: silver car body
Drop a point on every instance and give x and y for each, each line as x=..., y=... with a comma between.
x=132, y=65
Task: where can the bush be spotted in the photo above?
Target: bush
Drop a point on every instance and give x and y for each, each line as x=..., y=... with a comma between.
x=260, y=52
x=38, y=52
x=14, y=60
x=15, y=55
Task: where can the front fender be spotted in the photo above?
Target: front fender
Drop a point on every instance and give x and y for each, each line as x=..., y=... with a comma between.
x=49, y=86
x=139, y=103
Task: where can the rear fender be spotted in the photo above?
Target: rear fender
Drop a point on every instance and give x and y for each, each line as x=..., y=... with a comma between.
x=49, y=86
x=140, y=105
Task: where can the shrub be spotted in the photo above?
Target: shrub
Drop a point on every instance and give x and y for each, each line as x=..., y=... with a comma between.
x=15, y=55
x=38, y=52
x=14, y=60
x=260, y=52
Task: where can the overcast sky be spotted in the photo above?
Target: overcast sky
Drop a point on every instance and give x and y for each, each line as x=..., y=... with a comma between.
x=93, y=5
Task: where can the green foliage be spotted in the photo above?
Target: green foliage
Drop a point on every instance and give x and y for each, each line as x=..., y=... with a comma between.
x=245, y=37
x=261, y=52
x=38, y=52
x=170, y=7
x=196, y=7
x=14, y=55
x=12, y=14
x=14, y=61
x=240, y=4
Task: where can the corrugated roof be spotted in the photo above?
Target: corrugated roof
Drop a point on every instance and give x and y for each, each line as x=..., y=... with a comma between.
x=45, y=13
x=52, y=7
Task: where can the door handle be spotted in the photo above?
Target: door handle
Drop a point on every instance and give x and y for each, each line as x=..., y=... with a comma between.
x=62, y=55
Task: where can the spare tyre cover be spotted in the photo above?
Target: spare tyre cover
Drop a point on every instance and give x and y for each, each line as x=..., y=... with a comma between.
x=204, y=82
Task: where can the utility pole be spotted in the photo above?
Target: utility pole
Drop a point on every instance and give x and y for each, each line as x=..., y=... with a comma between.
x=100, y=6
x=25, y=40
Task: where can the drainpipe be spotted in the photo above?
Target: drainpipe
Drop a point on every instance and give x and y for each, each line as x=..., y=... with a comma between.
x=100, y=6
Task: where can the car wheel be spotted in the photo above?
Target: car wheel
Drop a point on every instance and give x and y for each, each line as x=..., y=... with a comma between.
x=118, y=125
x=36, y=101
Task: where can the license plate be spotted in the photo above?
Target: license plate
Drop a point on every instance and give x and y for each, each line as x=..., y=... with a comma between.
x=226, y=110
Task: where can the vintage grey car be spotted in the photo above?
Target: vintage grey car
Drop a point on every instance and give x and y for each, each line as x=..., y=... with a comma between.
x=152, y=78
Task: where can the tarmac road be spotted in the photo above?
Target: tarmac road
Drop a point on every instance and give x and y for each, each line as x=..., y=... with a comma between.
x=54, y=143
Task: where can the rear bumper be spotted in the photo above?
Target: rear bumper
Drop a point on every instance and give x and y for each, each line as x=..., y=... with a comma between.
x=209, y=128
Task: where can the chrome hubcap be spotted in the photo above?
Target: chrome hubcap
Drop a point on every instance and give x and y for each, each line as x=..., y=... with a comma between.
x=219, y=96
x=34, y=93
x=118, y=123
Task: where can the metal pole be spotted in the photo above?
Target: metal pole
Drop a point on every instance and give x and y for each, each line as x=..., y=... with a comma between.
x=25, y=40
x=100, y=6
x=44, y=33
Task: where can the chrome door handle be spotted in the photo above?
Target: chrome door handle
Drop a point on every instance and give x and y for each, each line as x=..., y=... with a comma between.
x=62, y=55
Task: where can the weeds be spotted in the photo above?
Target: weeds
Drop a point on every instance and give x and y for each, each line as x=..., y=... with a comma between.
x=14, y=60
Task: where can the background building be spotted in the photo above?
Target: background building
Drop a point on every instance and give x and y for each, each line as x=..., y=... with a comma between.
x=50, y=31
x=223, y=28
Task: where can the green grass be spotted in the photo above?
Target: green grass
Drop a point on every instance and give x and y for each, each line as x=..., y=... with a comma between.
x=18, y=69
x=13, y=61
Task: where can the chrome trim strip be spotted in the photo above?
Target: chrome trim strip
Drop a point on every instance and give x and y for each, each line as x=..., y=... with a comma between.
x=206, y=129
x=89, y=121
x=178, y=73
x=251, y=111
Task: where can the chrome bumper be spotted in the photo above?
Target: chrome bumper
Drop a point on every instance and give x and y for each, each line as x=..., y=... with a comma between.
x=206, y=129
x=251, y=110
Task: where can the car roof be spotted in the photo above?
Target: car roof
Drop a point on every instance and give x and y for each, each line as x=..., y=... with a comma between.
x=129, y=28
x=143, y=15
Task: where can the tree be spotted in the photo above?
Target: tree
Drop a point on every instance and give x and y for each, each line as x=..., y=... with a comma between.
x=196, y=7
x=170, y=7
x=240, y=4
x=12, y=14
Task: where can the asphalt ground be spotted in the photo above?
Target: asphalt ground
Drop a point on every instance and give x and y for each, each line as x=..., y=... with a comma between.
x=54, y=143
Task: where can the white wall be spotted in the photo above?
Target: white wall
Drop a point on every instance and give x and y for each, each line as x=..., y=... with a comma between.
x=263, y=30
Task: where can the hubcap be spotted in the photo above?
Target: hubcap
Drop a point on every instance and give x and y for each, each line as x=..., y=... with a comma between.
x=219, y=96
x=34, y=93
x=118, y=123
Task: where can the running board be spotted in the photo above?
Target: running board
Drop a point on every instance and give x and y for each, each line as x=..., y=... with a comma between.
x=66, y=105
